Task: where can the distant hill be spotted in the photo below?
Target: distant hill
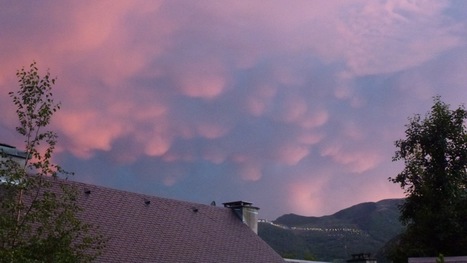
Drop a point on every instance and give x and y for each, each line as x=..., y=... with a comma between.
x=363, y=228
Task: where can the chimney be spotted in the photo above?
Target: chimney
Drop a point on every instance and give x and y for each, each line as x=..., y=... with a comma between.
x=246, y=212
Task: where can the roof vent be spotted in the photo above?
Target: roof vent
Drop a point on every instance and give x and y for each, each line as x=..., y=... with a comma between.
x=147, y=202
x=87, y=191
x=194, y=209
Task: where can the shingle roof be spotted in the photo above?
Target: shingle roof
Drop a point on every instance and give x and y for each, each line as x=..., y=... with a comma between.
x=145, y=228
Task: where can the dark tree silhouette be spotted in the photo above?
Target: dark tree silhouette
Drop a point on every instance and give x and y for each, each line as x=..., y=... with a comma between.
x=434, y=180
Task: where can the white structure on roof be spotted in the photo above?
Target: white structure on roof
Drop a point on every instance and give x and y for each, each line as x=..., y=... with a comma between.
x=462, y=259
x=12, y=152
x=302, y=261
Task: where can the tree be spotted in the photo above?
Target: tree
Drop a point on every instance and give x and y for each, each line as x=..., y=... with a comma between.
x=39, y=214
x=434, y=180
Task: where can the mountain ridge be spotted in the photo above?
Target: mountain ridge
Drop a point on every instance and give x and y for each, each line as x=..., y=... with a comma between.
x=361, y=228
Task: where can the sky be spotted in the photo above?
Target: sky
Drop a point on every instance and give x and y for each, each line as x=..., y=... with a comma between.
x=291, y=105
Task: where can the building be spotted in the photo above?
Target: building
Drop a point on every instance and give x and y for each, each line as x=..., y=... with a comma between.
x=302, y=261
x=461, y=259
x=362, y=258
x=143, y=228
x=10, y=152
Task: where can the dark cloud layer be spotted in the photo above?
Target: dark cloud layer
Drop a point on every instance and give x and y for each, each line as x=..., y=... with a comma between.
x=291, y=105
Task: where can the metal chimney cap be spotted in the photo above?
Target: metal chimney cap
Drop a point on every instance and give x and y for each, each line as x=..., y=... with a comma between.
x=236, y=204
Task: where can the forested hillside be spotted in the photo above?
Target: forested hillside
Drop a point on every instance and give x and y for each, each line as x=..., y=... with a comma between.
x=363, y=228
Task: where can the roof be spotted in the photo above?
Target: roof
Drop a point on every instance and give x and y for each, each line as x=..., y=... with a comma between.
x=144, y=228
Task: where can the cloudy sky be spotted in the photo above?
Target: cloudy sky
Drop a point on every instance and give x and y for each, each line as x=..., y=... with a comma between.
x=292, y=105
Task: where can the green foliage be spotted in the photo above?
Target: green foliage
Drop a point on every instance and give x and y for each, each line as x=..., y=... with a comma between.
x=440, y=259
x=285, y=242
x=39, y=212
x=434, y=180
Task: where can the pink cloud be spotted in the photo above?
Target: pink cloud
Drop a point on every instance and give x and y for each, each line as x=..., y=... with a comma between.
x=200, y=76
x=291, y=154
x=104, y=43
x=353, y=131
x=260, y=99
x=88, y=131
x=325, y=190
x=357, y=162
x=157, y=145
x=199, y=85
x=293, y=109
x=248, y=168
x=380, y=190
x=308, y=138
x=211, y=131
x=173, y=177
x=214, y=154
x=305, y=196
x=92, y=24
x=147, y=112
x=248, y=84
x=315, y=119
x=250, y=171
x=381, y=37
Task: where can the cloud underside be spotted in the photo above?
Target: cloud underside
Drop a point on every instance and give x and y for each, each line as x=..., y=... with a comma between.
x=300, y=97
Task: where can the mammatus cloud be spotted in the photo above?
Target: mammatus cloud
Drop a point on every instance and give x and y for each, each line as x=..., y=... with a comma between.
x=304, y=98
x=395, y=35
x=356, y=161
